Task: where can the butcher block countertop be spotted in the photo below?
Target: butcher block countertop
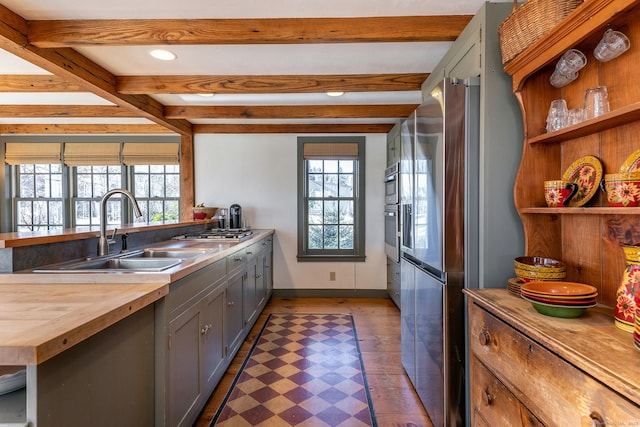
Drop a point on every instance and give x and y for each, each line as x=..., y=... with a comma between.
x=39, y=321
x=42, y=315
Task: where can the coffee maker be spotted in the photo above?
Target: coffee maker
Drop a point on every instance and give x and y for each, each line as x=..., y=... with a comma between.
x=235, y=216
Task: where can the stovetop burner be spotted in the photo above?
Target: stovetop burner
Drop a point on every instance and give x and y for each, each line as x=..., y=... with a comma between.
x=227, y=235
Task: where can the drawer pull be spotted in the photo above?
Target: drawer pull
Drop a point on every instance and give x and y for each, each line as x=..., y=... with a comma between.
x=488, y=397
x=485, y=337
x=597, y=420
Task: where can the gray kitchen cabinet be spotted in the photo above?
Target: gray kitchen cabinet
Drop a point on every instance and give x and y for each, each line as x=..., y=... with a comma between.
x=233, y=318
x=205, y=318
x=191, y=364
x=196, y=355
x=393, y=281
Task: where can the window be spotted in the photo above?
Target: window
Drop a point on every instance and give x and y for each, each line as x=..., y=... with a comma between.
x=68, y=193
x=39, y=203
x=157, y=189
x=331, y=199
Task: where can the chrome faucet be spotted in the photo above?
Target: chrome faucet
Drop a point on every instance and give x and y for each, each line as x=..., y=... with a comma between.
x=103, y=242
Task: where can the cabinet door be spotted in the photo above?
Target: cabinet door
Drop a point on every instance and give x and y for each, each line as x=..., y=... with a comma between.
x=233, y=320
x=261, y=279
x=250, y=297
x=212, y=333
x=393, y=281
x=184, y=366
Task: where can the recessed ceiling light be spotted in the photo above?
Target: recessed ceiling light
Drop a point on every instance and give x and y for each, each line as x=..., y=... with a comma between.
x=335, y=93
x=163, y=54
x=205, y=95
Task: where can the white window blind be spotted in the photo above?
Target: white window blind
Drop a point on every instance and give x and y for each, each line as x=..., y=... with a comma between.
x=25, y=153
x=144, y=153
x=92, y=154
x=324, y=150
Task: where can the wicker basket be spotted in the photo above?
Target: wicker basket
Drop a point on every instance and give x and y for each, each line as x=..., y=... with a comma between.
x=529, y=22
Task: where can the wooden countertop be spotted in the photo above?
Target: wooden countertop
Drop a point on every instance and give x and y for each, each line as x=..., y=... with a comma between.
x=591, y=342
x=43, y=314
x=30, y=238
x=39, y=321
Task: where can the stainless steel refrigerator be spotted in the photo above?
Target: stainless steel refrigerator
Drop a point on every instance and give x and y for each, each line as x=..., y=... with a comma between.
x=439, y=210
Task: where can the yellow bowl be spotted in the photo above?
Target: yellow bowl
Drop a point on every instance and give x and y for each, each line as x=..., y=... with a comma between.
x=539, y=264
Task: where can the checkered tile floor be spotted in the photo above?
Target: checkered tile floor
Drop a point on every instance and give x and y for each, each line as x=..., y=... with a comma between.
x=305, y=370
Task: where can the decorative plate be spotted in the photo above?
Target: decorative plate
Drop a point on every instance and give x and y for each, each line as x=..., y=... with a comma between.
x=587, y=173
x=632, y=163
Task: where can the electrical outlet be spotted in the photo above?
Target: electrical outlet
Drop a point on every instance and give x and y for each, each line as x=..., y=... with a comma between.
x=332, y=276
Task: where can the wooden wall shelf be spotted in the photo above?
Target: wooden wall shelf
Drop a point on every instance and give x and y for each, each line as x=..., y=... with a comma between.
x=564, y=233
x=607, y=121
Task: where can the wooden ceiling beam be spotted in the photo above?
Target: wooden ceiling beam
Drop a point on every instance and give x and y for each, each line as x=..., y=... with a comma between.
x=289, y=111
x=296, y=83
x=96, y=111
x=89, y=129
x=36, y=83
x=70, y=65
x=292, y=128
x=67, y=33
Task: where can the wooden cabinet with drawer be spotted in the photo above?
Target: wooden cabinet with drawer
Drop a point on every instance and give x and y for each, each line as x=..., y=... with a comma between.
x=527, y=369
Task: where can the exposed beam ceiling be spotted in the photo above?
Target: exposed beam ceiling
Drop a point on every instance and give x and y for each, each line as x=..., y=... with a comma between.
x=81, y=55
x=246, y=31
x=70, y=65
x=297, y=83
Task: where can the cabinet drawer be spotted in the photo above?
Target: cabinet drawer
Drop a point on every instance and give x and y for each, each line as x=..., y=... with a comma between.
x=492, y=404
x=557, y=392
x=236, y=261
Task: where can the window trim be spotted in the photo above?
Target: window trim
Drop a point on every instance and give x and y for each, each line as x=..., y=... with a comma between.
x=358, y=253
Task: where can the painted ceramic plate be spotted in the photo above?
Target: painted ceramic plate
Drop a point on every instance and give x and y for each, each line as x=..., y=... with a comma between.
x=587, y=173
x=559, y=288
x=632, y=163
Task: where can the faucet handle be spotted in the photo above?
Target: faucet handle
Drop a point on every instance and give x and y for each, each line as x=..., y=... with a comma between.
x=112, y=239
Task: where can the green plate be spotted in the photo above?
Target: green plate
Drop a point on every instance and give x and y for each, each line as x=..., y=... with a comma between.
x=558, y=311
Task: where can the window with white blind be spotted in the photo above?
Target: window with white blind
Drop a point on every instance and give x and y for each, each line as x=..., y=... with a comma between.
x=331, y=198
x=60, y=185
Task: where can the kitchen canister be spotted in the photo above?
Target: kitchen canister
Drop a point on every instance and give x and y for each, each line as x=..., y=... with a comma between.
x=625, y=312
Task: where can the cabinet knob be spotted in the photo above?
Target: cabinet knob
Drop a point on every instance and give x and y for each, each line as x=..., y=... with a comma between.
x=205, y=330
x=488, y=397
x=484, y=337
x=230, y=303
x=597, y=420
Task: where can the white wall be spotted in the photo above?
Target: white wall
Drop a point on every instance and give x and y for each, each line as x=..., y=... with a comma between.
x=259, y=173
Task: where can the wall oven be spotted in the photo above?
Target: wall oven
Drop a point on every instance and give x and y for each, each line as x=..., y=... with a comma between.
x=391, y=185
x=392, y=232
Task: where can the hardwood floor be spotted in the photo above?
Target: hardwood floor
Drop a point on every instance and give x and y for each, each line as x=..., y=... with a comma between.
x=377, y=323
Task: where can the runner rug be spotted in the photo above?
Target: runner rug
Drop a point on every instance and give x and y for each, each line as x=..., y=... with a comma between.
x=303, y=370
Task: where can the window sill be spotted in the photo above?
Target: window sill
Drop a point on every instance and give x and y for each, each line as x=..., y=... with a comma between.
x=331, y=258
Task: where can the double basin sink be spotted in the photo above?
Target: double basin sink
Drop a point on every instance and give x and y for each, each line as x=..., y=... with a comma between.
x=149, y=259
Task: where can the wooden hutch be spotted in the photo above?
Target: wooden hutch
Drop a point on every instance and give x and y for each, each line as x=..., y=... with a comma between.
x=526, y=368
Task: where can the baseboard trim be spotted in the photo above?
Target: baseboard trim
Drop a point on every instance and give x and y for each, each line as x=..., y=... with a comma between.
x=330, y=293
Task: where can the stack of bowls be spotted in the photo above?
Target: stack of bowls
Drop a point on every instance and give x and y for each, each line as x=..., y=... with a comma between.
x=535, y=268
x=559, y=299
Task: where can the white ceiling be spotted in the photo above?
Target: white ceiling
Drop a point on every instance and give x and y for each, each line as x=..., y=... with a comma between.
x=263, y=59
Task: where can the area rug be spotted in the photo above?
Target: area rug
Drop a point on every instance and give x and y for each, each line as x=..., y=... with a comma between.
x=303, y=370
